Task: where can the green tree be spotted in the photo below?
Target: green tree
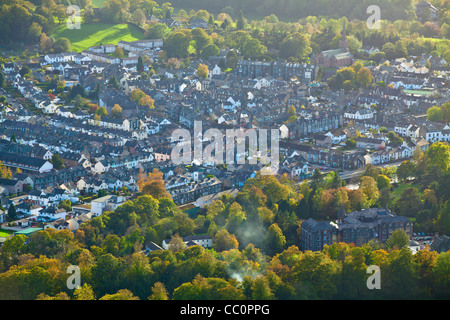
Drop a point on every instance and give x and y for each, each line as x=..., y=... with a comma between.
x=62, y=45
x=12, y=212
x=159, y=292
x=240, y=23
x=398, y=239
x=383, y=182
x=296, y=46
x=274, y=239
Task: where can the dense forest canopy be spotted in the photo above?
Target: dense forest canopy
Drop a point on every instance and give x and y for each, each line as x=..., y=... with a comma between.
x=297, y=9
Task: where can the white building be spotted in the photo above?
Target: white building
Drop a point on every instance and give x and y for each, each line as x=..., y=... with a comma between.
x=106, y=203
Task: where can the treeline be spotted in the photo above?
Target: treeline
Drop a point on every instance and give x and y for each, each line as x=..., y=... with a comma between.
x=25, y=21
x=194, y=273
x=256, y=237
x=296, y=9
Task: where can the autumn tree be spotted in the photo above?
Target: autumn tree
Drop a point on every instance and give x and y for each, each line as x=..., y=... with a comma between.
x=202, y=71
x=369, y=186
x=159, y=292
x=223, y=240
x=153, y=184
x=116, y=111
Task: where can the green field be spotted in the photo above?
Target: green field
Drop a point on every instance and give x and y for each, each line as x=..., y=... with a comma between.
x=5, y=233
x=94, y=34
x=98, y=3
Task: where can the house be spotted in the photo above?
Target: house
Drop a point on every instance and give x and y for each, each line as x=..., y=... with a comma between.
x=202, y=240
x=106, y=203
x=206, y=200
x=75, y=222
x=356, y=227
x=426, y=11
x=52, y=213
x=198, y=23
x=323, y=140
x=360, y=114
x=151, y=246
x=370, y=143
x=12, y=186
x=28, y=209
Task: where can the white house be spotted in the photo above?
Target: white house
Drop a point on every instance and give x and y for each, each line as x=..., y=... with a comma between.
x=203, y=240
x=106, y=203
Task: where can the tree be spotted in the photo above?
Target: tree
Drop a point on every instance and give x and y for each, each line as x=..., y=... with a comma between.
x=240, y=23
x=57, y=161
x=177, y=45
x=5, y=172
x=223, y=240
x=12, y=212
x=261, y=290
x=62, y=45
x=159, y=292
x=84, y=293
x=24, y=70
x=140, y=65
x=66, y=205
x=364, y=78
x=231, y=59
x=122, y=294
x=292, y=111
x=210, y=51
x=202, y=71
x=253, y=49
x=370, y=189
x=274, y=239
x=101, y=111
x=398, y=239
x=394, y=137
x=136, y=95
x=201, y=39
x=438, y=156
x=153, y=184
x=118, y=52
x=116, y=111
x=383, y=182
x=295, y=46
x=405, y=170
x=45, y=43
x=138, y=17
x=224, y=24
x=409, y=202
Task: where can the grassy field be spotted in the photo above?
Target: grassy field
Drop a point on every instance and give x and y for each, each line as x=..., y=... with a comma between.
x=5, y=233
x=98, y=3
x=94, y=34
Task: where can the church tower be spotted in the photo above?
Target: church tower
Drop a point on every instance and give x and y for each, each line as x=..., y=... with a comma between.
x=343, y=42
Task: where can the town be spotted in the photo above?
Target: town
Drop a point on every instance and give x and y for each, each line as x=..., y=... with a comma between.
x=82, y=131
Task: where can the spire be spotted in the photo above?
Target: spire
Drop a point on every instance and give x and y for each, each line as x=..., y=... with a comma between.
x=341, y=214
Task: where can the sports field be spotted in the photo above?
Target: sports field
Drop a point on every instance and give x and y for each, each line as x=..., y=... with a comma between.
x=94, y=34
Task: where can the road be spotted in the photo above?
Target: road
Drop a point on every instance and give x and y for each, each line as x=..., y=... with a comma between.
x=349, y=174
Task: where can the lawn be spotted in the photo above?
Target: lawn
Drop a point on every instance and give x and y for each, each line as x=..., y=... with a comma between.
x=5, y=233
x=397, y=192
x=98, y=3
x=94, y=34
